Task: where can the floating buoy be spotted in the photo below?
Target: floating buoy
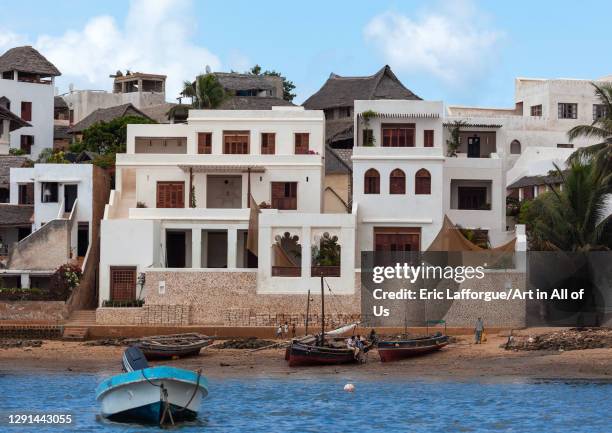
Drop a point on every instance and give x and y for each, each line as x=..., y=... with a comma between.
x=349, y=387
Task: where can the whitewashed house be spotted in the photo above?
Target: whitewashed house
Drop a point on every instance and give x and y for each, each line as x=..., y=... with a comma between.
x=27, y=90
x=181, y=212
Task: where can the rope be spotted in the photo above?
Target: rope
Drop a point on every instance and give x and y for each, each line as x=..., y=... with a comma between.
x=195, y=390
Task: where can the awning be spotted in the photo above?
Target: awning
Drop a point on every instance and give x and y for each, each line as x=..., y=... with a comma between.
x=222, y=168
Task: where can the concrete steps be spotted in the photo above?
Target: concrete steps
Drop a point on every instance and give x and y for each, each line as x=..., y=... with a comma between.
x=77, y=326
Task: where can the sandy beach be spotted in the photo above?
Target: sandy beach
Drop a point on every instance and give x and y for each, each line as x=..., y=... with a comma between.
x=461, y=360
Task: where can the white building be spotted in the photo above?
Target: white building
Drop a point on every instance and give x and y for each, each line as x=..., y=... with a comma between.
x=27, y=89
x=545, y=110
x=139, y=89
x=181, y=204
x=404, y=184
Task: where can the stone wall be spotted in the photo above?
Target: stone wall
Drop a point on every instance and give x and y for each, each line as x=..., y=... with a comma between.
x=33, y=311
x=226, y=298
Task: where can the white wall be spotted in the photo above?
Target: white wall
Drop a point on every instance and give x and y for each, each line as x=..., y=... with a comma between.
x=41, y=97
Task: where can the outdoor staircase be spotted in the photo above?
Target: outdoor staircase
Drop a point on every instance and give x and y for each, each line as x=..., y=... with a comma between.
x=77, y=326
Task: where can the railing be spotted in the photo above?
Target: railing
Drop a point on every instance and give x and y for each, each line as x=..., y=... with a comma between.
x=325, y=271
x=4, y=250
x=286, y=271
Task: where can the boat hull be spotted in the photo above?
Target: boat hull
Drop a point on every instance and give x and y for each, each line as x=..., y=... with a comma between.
x=396, y=350
x=303, y=355
x=138, y=395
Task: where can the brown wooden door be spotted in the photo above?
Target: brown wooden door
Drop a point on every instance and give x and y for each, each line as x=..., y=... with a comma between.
x=170, y=194
x=397, y=239
x=123, y=283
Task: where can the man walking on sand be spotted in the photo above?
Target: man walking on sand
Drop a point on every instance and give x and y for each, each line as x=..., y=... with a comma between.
x=478, y=330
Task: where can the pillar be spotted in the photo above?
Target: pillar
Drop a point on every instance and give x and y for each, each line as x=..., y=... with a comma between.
x=25, y=281
x=232, y=245
x=196, y=248
x=306, y=253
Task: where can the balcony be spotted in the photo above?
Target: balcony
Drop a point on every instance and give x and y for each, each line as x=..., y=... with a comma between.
x=202, y=214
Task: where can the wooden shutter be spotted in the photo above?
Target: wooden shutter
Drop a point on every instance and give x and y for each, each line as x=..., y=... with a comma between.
x=268, y=143
x=284, y=195
x=205, y=142
x=371, y=182
x=26, y=111
x=302, y=143
x=236, y=142
x=26, y=143
x=123, y=283
x=397, y=182
x=170, y=194
x=428, y=138
x=422, y=182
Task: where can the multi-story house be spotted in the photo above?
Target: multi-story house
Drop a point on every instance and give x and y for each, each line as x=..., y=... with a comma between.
x=52, y=219
x=181, y=214
x=545, y=110
x=27, y=90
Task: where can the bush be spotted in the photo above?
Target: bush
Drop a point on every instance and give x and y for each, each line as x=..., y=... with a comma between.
x=65, y=279
x=19, y=294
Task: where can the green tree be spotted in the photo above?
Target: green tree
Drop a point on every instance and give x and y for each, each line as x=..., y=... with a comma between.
x=205, y=92
x=572, y=219
x=453, y=143
x=600, y=129
x=288, y=86
x=109, y=137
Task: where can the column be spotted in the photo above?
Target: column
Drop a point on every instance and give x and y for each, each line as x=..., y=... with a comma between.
x=232, y=244
x=306, y=253
x=25, y=281
x=196, y=248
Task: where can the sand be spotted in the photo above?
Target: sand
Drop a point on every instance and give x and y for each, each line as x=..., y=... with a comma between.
x=461, y=360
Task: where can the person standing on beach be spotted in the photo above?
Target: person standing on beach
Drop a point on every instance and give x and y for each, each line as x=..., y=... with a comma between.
x=478, y=330
x=286, y=330
x=279, y=332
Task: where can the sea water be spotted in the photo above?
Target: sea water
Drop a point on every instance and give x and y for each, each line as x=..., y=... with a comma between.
x=318, y=404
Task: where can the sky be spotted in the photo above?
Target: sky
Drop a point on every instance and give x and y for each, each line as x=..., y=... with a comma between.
x=463, y=52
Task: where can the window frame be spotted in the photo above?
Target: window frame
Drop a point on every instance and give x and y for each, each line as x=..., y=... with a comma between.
x=535, y=110
x=289, y=199
x=397, y=182
x=562, y=110
x=233, y=146
x=298, y=148
x=26, y=111
x=26, y=142
x=53, y=196
x=204, y=143
x=371, y=181
x=422, y=182
x=428, y=138
x=596, y=110
x=267, y=147
x=398, y=134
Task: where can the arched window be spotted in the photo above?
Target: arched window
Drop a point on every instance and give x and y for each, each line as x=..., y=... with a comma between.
x=515, y=147
x=372, y=182
x=422, y=182
x=397, y=182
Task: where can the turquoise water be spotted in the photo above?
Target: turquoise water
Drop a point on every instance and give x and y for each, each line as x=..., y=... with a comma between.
x=319, y=404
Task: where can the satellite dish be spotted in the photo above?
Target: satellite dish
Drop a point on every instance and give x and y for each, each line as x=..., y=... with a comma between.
x=208, y=70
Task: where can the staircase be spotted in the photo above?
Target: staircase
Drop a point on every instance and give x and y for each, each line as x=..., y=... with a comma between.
x=77, y=326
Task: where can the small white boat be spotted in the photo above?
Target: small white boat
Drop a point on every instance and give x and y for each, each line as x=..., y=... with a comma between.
x=157, y=395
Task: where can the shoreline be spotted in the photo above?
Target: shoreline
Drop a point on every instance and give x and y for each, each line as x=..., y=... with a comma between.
x=459, y=361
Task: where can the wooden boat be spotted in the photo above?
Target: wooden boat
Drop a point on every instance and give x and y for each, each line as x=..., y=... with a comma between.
x=325, y=349
x=173, y=346
x=154, y=395
x=393, y=350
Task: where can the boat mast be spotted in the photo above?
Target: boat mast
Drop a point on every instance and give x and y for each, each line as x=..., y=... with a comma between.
x=322, y=312
x=307, y=312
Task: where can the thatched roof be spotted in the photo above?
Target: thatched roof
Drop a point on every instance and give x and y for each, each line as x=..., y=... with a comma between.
x=15, y=122
x=159, y=112
x=338, y=161
x=59, y=102
x=6, y=163
x=13, y=215
x=27, y=59
x=253, y=103
x=235, y=81
x=535, y=180
x=61, y=132
x=338, y=130
x=106, y=115
x=343, y=91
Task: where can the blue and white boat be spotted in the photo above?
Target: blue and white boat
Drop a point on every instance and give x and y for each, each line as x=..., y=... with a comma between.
x=158, y=395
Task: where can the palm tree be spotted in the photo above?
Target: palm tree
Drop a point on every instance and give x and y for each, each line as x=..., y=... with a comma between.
x=573, y=219
x=601, y=128
x=205, y=92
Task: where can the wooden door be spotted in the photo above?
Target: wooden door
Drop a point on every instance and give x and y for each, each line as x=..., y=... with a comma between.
x=123, y=283
x=170, y=194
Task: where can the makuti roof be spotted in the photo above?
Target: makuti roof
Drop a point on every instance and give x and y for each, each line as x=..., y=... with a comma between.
x=106, y=115
x=27, y=59
x=341, y=91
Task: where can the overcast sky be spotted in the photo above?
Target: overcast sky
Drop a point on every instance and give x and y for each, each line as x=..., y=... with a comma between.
x=461, y=52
